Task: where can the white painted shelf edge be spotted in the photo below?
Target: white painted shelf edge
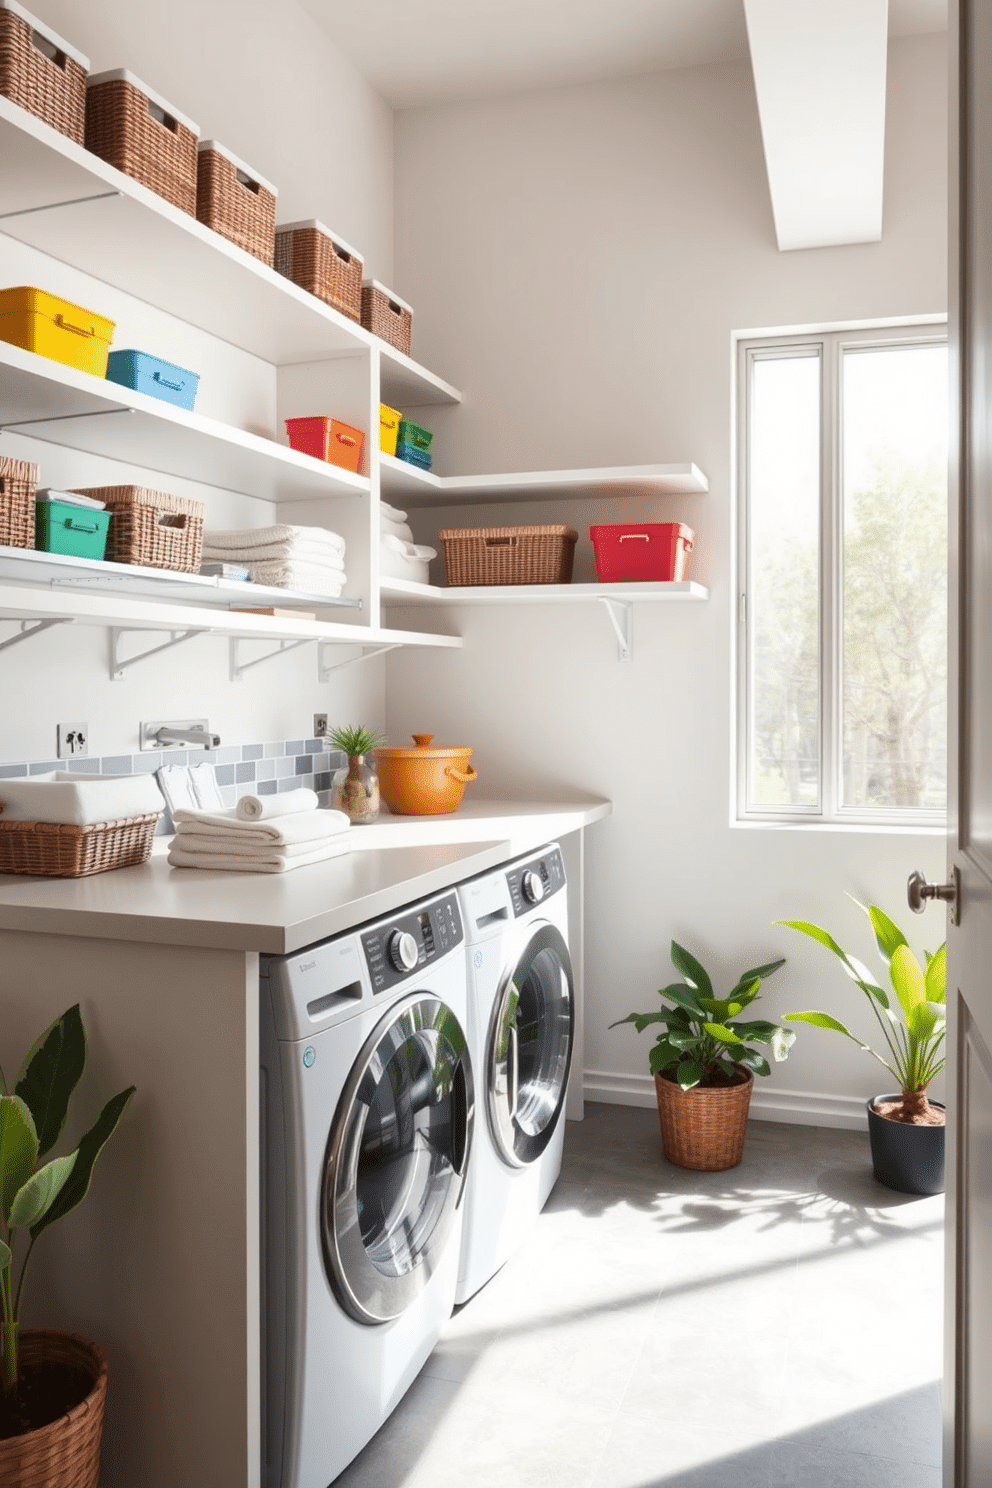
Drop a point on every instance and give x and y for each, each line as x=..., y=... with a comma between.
x=424, y=488
x=406, y=592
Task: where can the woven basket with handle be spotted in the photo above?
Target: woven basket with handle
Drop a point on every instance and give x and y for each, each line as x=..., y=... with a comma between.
x=152, y=528
x=71, y=850
x=314, y=261
x=703, y=1128
x=65, y=1454
x=235, y=205
x=508, y=555
x=122, y=127
x=48, y=83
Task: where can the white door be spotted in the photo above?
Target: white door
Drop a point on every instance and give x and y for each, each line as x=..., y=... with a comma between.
x=968, y=1314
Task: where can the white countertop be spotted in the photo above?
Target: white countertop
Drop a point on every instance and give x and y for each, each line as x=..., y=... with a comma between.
x=392, y=861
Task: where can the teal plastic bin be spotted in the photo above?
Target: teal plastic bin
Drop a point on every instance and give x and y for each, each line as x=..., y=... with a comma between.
x=78, y=531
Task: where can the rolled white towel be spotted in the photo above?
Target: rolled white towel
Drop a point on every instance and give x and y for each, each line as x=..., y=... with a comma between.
x=79, y=800
x=402, y=530
x=277, y=862
x=261, y=808
x=227, y=826
x=392, y=512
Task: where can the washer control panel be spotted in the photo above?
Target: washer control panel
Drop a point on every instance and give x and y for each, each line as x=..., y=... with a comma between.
x=401, y=946
x=531, y=882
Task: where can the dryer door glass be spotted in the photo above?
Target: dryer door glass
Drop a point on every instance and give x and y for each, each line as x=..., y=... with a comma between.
x=530, y=1048
x=396, y=1159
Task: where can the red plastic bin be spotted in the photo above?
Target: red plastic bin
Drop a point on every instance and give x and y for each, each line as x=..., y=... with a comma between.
x=642, y=552
x=327, y=439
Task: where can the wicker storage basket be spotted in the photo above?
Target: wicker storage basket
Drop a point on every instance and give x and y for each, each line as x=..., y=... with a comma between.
x=321, y=263
x=18, y=481
x=508, y=555
x=133, y=129
x=151, y=527
x=703, y=1128
x=65, y=1454
x=42, y=73
x=235, y=202
x=67, y=850
x=386, y=316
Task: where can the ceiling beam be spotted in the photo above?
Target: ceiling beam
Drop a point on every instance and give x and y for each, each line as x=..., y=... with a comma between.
x=819, y=75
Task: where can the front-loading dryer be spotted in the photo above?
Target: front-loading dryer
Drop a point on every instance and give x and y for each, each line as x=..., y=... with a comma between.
x=520, y=1026
x=367, y=1116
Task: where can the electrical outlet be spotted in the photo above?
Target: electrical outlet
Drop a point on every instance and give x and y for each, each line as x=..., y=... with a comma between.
x=320, y=725
x=72, y=740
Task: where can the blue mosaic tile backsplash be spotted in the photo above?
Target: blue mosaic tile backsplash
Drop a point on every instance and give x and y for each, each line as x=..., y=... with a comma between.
x=241, y=769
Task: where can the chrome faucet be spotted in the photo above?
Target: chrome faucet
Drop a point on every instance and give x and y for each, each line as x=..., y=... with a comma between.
x=202, y=737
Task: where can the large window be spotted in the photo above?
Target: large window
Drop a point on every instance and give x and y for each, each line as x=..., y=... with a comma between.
x=843, y=576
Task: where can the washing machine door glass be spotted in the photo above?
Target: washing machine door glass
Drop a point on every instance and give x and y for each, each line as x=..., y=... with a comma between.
x=396, y=1159
x=530, y=1048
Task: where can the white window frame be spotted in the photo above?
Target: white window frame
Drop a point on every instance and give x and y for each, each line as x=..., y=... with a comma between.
x=829, y=343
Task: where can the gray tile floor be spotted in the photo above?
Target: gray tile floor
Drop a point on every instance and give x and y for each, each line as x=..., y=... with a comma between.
x=775, y=1325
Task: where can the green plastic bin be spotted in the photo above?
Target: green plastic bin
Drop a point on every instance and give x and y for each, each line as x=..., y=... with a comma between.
x=414, y=435
x=80, y=531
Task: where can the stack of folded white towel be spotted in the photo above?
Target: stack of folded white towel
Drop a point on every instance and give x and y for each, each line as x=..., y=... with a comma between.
x=399, y=556
x=262, y=834
x=308, y=559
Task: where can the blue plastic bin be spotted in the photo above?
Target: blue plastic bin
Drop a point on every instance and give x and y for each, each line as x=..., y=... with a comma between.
x=413, y=456
x=150, y=374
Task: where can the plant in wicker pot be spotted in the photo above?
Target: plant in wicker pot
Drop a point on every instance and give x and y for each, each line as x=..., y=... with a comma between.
x=52, y=1384
x=905, y=1128
x=704, y=1061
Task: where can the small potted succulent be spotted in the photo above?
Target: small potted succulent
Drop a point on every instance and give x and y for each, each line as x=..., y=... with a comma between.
x=355, y=787
x=905, y=1128
x=704, y=1061
x=52, y=1384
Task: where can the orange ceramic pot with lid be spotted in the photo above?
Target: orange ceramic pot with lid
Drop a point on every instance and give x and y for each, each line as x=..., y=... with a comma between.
x=420, y=780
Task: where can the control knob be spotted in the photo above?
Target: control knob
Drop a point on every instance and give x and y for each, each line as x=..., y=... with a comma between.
x=533, y=886
x=403, y=951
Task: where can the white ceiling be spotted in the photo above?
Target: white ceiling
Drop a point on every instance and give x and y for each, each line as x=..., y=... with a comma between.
x=428, y=51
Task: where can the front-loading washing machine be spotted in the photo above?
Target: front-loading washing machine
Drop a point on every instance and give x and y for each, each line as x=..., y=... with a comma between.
x=520, y=1026
x=367, y=1117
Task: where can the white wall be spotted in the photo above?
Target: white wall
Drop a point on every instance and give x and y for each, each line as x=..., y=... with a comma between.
x=268, y=83
x=578, y=261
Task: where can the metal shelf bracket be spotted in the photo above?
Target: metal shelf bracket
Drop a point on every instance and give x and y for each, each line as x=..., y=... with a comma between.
x=621, y=614
x=28, y=630
x=72, y=201
x=325, y=669
x=239, y=667
x=119, y=663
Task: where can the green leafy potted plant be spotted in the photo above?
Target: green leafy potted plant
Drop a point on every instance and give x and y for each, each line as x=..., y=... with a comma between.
x=704, y=1061
x=905, y=1128
x=355, y=787
x=52, y=1384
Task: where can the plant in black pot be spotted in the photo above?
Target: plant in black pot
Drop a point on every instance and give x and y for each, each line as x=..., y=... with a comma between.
x=905, y=1127
x=704, y=1060
x=52, y=1384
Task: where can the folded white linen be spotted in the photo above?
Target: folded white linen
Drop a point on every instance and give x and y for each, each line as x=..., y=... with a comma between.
x=311, y=553
x=79, y=800
x=306, y=826
x=401, y=530
x=392, y=512
x=231, y=845
x=302, y=577
x=236, y=540
x=276, y=862
x=287, y=803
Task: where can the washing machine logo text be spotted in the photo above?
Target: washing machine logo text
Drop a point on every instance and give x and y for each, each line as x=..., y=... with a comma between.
x=309, y=1055
x=307, y=965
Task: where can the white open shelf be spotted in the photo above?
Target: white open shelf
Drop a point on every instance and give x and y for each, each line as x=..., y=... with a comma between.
x=69, y=203
x=421, y=488
x=406, y=592
x=61, y=405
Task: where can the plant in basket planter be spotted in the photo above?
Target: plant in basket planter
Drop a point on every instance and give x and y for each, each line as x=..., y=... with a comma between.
x=52, y=1385
x=906, y=1128
x=704, y=1061
x=355, y=787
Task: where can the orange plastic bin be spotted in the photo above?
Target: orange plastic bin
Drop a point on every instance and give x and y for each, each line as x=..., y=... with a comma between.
x=327, y=439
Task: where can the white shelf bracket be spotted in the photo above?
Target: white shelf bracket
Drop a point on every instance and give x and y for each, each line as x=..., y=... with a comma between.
x=326, y=669
x=28, y=630
x=119, y=663
x=621, y=613
x=239, y=667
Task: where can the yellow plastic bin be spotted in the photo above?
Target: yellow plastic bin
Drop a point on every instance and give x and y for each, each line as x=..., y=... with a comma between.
x=389, y=427
x=56, y=328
